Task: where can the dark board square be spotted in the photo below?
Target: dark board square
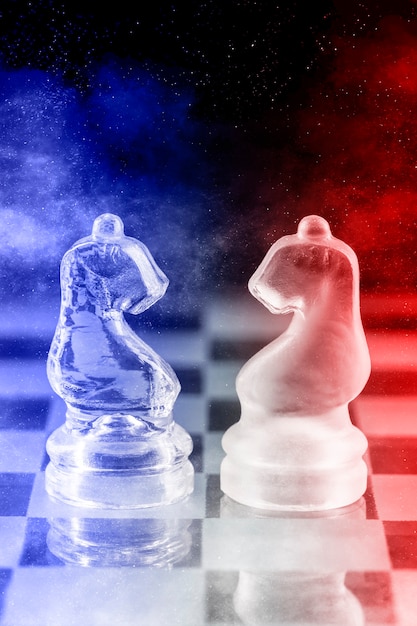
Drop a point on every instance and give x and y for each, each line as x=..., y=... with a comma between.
x=401, y=539
x=5, y=578
x=45, y=461
x=159, y=318
x=392, y=383
x=223, y=413
x=213, y=495
x=190, y=379
x=234, y=350
x=35, y=549
x=220, y=587
x=353, y=414
x=370, y=504
x=24, y=413
x=15, y=492
x=393, y=455
x=196, y=456
x=24, y=348
x=375, y=595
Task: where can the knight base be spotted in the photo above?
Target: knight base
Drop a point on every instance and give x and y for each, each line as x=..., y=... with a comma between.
x=295, y=464
x=297, y=490
x=115, y=470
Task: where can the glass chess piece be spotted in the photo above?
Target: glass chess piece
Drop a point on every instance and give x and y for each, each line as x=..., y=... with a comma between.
x=120, y=446
x=295, y=446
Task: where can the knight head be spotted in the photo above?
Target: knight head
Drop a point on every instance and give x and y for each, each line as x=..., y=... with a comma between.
x=111, y=271
x=298, y=267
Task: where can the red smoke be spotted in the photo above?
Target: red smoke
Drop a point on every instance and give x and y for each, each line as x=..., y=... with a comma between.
x=353, y=158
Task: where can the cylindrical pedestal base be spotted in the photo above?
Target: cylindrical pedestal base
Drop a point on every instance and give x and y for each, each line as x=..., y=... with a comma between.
x=295, y=463
x=121, y=469
x=119, y=489
x=305, y=489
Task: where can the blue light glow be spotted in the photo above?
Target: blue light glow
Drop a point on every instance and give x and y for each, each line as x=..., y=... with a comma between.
x=126, y=145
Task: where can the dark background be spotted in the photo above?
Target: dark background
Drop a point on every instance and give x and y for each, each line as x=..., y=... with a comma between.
x=211, y=128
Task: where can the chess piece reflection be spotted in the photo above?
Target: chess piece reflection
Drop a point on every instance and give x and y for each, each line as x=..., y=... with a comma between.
x=119, y=446
x=120, y=542
x=311, y=592
x=296, y=599
x=294, y=446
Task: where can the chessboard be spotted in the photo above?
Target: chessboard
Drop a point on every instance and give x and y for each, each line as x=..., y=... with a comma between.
x=206, y=560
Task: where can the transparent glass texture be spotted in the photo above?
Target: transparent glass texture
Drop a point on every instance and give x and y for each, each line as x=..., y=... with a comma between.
x=294, y=446
x=95, y=542
x=119, y=446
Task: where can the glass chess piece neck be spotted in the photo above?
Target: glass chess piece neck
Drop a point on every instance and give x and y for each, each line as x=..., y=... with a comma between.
x=120, y=446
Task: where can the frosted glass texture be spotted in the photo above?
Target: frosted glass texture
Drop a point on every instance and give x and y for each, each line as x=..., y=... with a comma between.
x=120, y=446
x=294, y=446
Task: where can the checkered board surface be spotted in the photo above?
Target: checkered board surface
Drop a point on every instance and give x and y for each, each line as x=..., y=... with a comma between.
x=183, y=564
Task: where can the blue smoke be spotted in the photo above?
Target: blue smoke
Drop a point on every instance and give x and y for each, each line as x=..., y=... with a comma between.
x=127, y=145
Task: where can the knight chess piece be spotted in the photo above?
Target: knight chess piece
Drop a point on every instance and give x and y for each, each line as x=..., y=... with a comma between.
x=295, y=446
x=120, y=446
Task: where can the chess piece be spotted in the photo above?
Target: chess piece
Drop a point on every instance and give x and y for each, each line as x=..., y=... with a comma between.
x=119, y=446
x=294, y=446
